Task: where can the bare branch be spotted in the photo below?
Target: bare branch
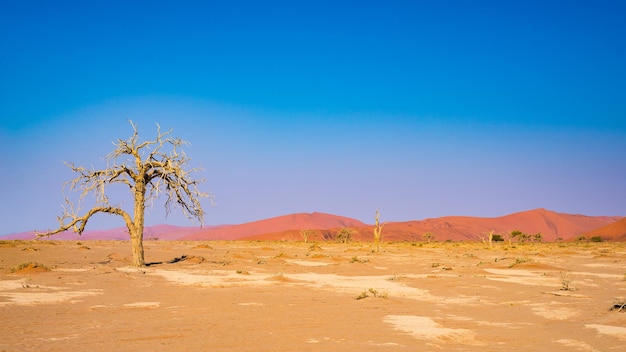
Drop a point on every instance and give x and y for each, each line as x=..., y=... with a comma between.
x=78, y=223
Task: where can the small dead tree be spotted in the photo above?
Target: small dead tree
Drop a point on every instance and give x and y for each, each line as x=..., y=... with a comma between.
x=148, y=169
x=378, y=228
x=490, y=238
x=305, y=233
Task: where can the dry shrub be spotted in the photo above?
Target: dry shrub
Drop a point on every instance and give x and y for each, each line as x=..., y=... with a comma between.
x=315, y=247
x=30, y=249
x=281, y=278
x=619, y=304
x=29, y=267
x=7, y=244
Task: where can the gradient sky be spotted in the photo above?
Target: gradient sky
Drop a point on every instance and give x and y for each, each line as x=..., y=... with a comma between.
x=419, y=108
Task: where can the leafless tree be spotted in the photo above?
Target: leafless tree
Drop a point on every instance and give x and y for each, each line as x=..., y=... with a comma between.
x=148, y=169
x=378, y=229
x=305, y=233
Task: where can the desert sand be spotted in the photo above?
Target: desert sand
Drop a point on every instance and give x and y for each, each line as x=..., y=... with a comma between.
x=292, y=296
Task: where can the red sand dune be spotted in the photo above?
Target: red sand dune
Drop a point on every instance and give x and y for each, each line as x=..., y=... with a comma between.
x=457, y=228
x=161, y=232
x=551, y=225
x=613, y=232
x=277, y=224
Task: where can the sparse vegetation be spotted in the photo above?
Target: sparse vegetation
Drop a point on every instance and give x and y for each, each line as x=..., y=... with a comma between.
x=29, y=265
x=356, y=259
x=522, y=237
x=345, y=234
x=428, y=237
x=520, y=261
x=497, y=238
x=362, y=295
x=314, y=247
x=373, y=292
x=566, y=282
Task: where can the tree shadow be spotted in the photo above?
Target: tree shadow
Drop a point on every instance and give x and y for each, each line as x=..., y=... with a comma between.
x=175, y=260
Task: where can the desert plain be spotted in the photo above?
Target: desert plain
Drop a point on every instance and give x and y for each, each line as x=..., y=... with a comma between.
x=323, y=296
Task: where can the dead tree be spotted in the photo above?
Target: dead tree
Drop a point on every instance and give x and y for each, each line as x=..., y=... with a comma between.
x=378, y=229
x=148, y=169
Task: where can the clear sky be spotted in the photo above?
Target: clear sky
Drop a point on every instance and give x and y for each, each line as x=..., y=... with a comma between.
x=418, y=108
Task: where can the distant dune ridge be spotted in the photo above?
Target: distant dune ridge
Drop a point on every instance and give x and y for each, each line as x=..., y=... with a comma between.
x=277, y=224
x=552, y=225
x=615, y=231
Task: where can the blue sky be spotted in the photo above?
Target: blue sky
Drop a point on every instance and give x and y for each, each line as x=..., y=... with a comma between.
x=419, y=108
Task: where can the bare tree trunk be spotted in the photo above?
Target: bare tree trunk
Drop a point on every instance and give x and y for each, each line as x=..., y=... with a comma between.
x=378, y=228
x=136, y=239
x=136, y=235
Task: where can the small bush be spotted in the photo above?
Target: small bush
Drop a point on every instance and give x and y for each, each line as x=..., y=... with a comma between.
x=363, y=295
x=374, y=293
x=520, y=261
x=497, y=238
x=566, y=282
x=30, y=265
x=356, y=259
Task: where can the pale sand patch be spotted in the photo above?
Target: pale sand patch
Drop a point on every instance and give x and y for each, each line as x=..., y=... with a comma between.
x=214, y=278
x=39, y=294
x=427, y=329
x=553, y=312
x=357, y=284
x=581, y=346
x=68, y=337
x=143, y=305
x=564, y=293
x=617, y=331
x=6, y=285
x=481, y=322
x=250, y=304
x=306, y=262
x=32, y=298
x=599, y=265
x=336, y=283
x=524, y=277
x=600, y=275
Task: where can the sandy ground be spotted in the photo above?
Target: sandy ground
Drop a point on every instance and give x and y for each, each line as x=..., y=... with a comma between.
x=277, y=296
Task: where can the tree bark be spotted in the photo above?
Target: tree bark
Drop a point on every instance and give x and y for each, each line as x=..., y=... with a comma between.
x=136, y=234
